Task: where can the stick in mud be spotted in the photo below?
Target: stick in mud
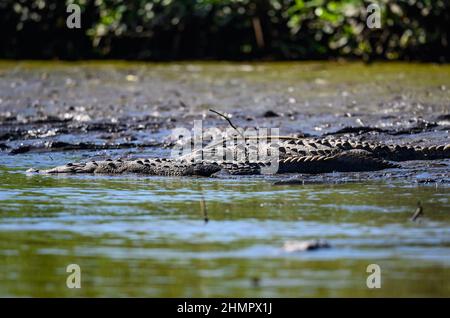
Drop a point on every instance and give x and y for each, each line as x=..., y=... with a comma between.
x=418, y=213
x=203, y=206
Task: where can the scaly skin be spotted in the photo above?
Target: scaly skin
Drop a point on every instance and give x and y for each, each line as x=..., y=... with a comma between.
x=295, y=155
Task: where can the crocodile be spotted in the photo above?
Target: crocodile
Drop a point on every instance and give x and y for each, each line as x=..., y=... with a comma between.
x=293, y=155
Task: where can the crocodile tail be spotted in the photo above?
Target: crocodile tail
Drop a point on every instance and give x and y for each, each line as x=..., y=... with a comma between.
x=392, y=152
x=351, y=160
x=408, y=152
x=434, y=152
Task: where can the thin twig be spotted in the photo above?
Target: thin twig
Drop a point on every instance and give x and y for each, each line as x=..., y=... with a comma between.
x=203, y=209
x=228, y=120
x=418, y=213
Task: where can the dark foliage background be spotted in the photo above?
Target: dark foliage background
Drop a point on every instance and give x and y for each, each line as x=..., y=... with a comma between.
x=228, y=29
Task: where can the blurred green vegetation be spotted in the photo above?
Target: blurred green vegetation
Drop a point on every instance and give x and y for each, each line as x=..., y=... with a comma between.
x=228, y=29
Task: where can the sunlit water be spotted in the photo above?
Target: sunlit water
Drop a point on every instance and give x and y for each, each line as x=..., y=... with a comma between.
x=146, y=236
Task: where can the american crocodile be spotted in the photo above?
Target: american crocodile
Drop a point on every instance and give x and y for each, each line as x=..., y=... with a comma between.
x=294, y=155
